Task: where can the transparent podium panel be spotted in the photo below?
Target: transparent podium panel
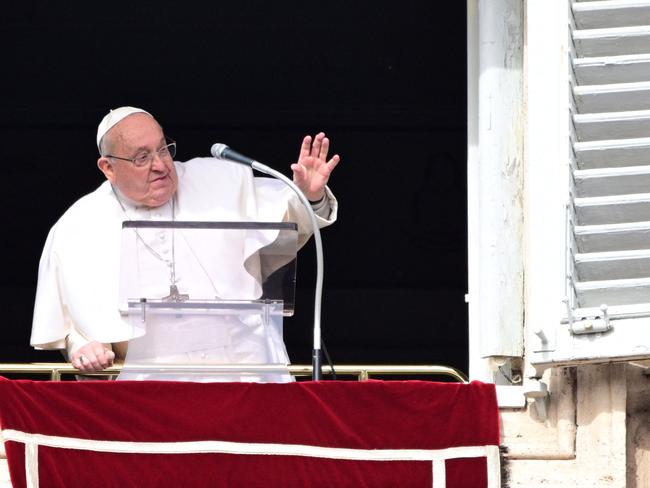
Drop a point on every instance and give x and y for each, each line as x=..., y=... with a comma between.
x=205, y=300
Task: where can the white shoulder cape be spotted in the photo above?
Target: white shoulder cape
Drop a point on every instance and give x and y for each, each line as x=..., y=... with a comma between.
x=78, y=276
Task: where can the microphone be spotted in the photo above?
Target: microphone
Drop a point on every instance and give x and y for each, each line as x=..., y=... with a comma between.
x=222, y=151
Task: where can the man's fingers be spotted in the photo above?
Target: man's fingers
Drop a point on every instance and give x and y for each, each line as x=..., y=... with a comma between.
x=324, y=148
x=93, y=363
x=78, y=362
x=305, y=148
x=316, y=145
x=95, y=359
x=109, y=358
x=325, y=170
x=299, y=171
x=312, y=170
x=85, y=363
x=331, y=164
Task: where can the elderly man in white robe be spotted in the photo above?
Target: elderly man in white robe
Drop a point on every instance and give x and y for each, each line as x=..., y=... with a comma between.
x=76, y=306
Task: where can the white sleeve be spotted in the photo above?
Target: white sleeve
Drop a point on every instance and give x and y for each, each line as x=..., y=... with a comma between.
x=75, y=340
x=49, y=325
x=323, y=208
x=326, y=214
x=277, y=202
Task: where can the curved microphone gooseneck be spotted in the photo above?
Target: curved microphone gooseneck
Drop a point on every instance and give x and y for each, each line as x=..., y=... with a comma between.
x=222, y=151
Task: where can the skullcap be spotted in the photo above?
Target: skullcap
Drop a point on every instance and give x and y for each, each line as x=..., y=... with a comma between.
x=113, y=117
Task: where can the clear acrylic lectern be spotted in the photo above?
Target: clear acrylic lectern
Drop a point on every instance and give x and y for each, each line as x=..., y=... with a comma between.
x=205, y=300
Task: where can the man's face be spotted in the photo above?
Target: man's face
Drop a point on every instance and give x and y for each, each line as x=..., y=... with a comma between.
x=152, y=185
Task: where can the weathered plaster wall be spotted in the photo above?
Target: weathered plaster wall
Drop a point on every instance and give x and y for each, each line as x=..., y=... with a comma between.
x=597, y=433
x=638, y=425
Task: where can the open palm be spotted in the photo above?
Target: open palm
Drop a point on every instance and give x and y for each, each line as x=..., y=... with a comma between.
x=312, y=171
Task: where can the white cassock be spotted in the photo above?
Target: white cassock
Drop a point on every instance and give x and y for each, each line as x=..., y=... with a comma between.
x=79, y=271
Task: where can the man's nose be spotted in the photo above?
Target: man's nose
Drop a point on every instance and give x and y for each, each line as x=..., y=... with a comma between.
x=157, y=163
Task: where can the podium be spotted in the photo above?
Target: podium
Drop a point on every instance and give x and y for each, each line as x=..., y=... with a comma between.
x=201, y=294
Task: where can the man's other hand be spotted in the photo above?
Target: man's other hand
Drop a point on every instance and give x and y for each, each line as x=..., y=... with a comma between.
x=92, y=357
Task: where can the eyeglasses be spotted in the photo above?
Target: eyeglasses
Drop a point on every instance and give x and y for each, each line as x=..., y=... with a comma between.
x=168, y=151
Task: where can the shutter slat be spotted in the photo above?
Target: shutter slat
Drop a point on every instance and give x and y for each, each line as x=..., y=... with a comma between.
x=611, y=42
x=612, y=237
x=616, y=265
x=612, y=209
x=613, y=13
x=613, y=292
x=612, y=181
x=612, y=125
x=614, y=97
x=611, y=69
x=612, y=153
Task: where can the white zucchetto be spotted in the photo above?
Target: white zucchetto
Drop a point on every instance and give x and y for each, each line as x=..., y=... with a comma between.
x=113, y=117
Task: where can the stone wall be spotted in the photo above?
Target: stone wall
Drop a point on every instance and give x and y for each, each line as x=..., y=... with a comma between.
x=596, y=433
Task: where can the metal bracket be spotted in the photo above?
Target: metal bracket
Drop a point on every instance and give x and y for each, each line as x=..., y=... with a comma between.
x=537, y=391
x=589, y=325
x=143, y=310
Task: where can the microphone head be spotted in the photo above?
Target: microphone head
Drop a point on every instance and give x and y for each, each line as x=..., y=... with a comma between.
x=218, y=149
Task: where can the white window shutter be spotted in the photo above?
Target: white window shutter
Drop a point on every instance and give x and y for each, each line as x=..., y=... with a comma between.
x=608, y=214
x=610, y=245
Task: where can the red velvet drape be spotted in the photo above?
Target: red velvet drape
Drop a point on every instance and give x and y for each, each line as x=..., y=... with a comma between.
x=353, y=415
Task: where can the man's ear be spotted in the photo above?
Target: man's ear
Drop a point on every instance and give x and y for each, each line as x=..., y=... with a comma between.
x=106, y=167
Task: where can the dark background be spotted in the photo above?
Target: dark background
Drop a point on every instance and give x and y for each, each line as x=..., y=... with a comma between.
x=386, y=80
